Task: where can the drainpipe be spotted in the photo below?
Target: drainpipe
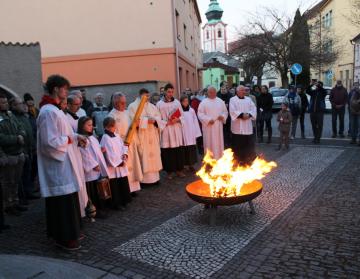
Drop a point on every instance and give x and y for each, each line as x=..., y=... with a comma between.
x=176, y=48
x=354, y=64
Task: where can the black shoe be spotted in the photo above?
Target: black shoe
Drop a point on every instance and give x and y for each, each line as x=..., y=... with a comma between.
x=4, y=228
x=21, y=208
x=268, y=141
x=341, y=136
x=24, y=202
x=12, y=211
x=334, y=136
x=134, y=194
x=33, y=196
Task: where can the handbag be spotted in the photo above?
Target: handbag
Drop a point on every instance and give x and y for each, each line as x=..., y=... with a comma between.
x=103, y=188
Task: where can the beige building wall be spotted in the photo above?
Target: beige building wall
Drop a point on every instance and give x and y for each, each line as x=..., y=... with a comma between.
x=73, y=27
x=342, y=31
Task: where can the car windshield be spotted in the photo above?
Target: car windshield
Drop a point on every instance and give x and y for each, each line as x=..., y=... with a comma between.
x=279, y=92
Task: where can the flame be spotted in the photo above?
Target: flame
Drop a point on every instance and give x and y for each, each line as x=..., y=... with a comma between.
x=225, y=178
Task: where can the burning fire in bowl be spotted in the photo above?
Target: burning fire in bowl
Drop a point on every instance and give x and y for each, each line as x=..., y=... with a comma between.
x=225, y=183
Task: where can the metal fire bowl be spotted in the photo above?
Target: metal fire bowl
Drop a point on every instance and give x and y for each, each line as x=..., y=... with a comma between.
x=200, y=192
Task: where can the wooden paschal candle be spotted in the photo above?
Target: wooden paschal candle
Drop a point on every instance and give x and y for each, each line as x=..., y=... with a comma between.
x=133, y=126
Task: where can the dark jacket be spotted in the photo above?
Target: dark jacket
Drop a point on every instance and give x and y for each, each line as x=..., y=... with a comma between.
x=10, y=129
x=225, y=97
x=355, y=102
x=284, y=126
x=265, y=102
x=338, y=96
x=304, y=102
x=26, y=126
x=88, y=107
x=317, y=100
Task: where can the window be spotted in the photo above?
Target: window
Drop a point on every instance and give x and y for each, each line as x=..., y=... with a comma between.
x=185, y=43
x=219, y=34
x=341, y=75
x=177, y=24
x=347, y=74
x=327, y=19
x=207, y=35
x=328, y=46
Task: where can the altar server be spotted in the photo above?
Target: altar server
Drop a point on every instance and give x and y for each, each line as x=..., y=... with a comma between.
x=242, y=113
x=116, y=156
x=212, y=113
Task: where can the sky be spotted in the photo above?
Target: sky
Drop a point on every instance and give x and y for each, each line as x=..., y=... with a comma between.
x=237, y=12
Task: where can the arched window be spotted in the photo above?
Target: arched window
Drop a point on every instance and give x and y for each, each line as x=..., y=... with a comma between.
x=219, y=34
x=207, y=35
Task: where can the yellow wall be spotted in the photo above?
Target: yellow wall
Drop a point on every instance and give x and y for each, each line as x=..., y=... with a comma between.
x=342, y=31
x=73, y=27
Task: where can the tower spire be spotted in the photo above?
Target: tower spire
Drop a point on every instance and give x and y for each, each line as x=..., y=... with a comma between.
x=214, y=12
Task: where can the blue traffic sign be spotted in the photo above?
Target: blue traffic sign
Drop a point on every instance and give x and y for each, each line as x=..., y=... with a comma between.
x=296, y=69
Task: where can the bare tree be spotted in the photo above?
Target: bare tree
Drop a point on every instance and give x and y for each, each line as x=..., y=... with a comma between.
x=253, y=59
x=355, y=12
x=325, y=47
x=270, y=37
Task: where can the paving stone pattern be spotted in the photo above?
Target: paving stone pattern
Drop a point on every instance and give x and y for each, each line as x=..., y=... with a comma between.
x=316, y=237
x=187, y=244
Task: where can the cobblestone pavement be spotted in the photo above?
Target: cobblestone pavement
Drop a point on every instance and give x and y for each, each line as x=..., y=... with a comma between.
x=316, y=236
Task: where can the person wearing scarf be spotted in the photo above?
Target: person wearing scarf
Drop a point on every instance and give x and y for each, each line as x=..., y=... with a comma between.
x=57, y=166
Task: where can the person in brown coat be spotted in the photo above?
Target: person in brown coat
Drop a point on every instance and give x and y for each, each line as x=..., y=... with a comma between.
x=285, y=119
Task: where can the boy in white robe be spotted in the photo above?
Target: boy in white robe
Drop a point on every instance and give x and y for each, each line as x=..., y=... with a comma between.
x=116, y=156
x=191, y=131
x=242, y=112
x=212, y=113
x=172, y=153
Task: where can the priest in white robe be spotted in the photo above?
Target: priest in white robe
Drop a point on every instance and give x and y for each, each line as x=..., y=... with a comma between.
x=122, y=124
x=57, y=167
x=74, y=103
x=148, y=139
x=212, y=113
x=242, y=113
x=172, y=153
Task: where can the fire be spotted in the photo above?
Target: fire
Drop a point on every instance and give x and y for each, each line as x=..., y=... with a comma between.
x=225, y=179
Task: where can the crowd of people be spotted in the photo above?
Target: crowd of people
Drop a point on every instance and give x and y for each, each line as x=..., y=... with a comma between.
x=76, y=154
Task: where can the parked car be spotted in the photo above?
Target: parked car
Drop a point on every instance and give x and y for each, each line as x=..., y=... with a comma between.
x=327, y=98
x=279, y=95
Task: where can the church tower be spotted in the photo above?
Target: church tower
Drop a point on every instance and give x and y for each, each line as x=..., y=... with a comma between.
x=214, y=31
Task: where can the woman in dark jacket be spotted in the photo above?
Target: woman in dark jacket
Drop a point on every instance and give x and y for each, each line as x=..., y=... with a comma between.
x=264, y=105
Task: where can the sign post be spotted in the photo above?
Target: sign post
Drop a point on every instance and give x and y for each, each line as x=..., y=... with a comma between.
x=296, y=70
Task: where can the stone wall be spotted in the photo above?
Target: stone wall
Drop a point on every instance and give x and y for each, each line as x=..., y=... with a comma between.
x=20, y=68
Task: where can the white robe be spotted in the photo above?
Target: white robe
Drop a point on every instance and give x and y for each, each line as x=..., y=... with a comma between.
x=171, y=135
x=213, y=135
x=114, y=150
x=92, y=157
x=236, y=107
x=190, y=127
x=149, y=141
x=83, y=196
x=122, y=124
x=59, y=167
x=73, y=122
x=81, y=112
